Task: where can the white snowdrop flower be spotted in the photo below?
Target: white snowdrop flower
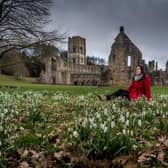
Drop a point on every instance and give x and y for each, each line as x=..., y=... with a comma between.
x=124, y=131
x=139, y=123
x=80, y=119
x=127, y=123
x=84, y=122
x=105, y=129
x=91, y=126
x=131, y=133
x=2, y=115
x=128, y=131
x=144, y=113
x=97, y=115
x=112, y=124
x=112, y=116
x=134, y=147
x=21, y=128
x=16, y=112
x=91, y=120
x=122, y=119
x=81, y=97
x=105, y=111
x=5, y=110
x=114, y=106
x=75, y=133
x=102, y=126
x=127, y=114
x=94, y=125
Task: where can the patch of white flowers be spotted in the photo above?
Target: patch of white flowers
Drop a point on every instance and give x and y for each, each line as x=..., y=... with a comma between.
x=12, y=107
x=113, y=118
x=93, y=122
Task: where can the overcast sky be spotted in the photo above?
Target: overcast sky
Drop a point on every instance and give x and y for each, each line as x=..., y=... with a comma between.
x=145, y=23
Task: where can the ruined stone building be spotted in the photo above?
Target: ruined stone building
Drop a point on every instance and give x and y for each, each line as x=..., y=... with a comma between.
x=123, y=58
x=158, y=76
x=74, y=70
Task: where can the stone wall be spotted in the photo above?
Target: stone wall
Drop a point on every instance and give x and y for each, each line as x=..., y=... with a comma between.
x=158, y=77
x=123, y=59
x=60, y=72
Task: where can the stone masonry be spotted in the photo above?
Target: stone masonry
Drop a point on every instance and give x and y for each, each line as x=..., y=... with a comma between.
x=124, y=57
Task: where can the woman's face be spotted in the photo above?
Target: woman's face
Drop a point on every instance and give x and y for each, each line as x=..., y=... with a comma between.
x=138, y=70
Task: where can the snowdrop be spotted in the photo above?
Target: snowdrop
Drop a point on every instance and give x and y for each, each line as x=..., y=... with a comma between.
x=124, y=131
x=105, y=111
x=75, y=134
x=127, y=123
x=122, y=118
x=139, y=123
x=112, y=124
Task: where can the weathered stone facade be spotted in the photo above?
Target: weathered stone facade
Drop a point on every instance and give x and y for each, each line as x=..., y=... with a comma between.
x=158, y=77
x=77, y=50
x=60, y=72
x=123, y=59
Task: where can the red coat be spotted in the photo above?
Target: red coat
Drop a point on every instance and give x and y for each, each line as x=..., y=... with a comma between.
x=140, y=88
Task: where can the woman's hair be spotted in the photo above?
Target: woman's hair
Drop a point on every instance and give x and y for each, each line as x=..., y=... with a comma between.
x=142, y=72
x=142, y=69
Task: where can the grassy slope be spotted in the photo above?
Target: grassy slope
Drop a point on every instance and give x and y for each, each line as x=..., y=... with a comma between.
x=29, y=84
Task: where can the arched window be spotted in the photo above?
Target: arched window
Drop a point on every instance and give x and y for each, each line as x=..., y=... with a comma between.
x=73, y=60
x=81, y=49
x=74, y=49
x=129, y=61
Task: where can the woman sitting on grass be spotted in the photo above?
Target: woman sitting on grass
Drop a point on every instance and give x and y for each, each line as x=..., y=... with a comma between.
x=139, y=87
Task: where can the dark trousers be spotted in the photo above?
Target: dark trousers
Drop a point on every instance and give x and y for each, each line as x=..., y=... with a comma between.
x=119, y=93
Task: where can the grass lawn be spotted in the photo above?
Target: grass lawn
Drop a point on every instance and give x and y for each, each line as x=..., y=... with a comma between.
x=30, y=84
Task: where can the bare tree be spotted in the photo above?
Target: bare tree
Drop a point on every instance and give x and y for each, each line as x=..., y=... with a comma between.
x=22, y=24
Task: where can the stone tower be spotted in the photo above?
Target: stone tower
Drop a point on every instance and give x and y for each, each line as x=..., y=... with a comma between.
x=123, y=59
x=151, y=65
x=167, y=67
x=77, y=50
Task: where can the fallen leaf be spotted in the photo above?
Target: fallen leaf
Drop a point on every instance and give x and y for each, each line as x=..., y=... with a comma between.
x=160, y=156
x=58, y=155
x=25, y=153
x=120, y=159
x=24, y=164
x=144, y=157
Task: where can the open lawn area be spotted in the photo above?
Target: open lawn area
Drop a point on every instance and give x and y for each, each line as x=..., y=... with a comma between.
x=6, y=83
x=68, y=126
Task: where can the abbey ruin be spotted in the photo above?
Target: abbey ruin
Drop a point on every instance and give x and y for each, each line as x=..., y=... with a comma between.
x=124, y=56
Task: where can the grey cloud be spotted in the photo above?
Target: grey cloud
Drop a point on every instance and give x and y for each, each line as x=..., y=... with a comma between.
x=145, y=22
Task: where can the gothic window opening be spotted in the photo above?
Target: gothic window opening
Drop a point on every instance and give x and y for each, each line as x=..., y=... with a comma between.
x=81, y=60
x=129, y=61
x=81, y=49
x=74, y=49
x=73, y=60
